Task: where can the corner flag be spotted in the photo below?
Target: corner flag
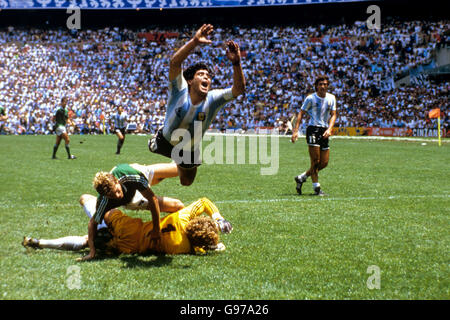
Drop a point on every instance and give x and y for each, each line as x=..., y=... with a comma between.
x=436, y=113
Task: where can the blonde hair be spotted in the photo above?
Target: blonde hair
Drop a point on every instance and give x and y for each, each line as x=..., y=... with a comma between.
x=202, y=233
x=104, y=182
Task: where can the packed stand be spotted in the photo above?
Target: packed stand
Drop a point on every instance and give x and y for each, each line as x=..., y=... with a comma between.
x=101, y=69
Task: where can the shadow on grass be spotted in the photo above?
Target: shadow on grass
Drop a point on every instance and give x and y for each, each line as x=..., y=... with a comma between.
x=142, y=261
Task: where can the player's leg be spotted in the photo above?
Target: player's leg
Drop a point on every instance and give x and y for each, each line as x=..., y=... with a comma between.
x=89, y=202
x=169, y=205
x=324, y=157
x=187, y=175
x=71, y=243
x=120, y=141
x=155, y=173
x=55, y=147
x=66, y=138
x=314, y=155
x=166, y=204
x=162, y=171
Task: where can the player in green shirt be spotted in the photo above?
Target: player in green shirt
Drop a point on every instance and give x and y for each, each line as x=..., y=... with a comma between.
x=128, y=185
x=61, y=118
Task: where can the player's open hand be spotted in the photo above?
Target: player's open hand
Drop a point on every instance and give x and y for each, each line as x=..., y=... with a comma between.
x=88, y=257
x=294, y=137
x=233, y=52
x=201, y=36
x=327, y=134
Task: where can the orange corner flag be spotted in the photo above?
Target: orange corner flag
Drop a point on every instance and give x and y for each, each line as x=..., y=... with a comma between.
x=434, y=113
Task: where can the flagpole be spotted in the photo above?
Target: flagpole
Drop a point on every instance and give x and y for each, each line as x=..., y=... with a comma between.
x=439, y=129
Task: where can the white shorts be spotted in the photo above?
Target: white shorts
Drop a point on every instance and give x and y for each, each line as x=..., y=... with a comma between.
x=139, y=202
x=60, y=130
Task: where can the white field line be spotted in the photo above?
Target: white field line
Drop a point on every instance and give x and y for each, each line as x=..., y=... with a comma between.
x=307, y=197
x=327, y=198
x=333, y=137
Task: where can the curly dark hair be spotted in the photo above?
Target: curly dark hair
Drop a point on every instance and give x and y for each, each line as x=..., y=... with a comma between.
x=202, y=232
x=190, y=72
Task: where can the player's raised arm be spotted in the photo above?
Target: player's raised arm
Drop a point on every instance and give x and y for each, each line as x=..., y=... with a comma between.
x=177, y=59
x=234, y=55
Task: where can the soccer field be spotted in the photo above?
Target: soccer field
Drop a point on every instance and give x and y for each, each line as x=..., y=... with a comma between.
x=382, y=232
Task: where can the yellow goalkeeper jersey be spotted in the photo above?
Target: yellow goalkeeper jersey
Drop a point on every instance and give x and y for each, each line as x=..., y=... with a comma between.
x=132, y=235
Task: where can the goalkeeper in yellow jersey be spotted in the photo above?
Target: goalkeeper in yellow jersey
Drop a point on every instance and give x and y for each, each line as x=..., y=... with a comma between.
x=184, y=231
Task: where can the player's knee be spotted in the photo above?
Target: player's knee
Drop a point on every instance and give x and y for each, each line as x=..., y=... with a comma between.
x=323, y=165
x=315, y=163
x=83, y=199
x=179, y=205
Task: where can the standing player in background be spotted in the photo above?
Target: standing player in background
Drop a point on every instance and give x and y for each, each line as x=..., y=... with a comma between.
x=3, y=118
x=321, y=108
x=191, y=102
x=120, y=127
x=61, y=118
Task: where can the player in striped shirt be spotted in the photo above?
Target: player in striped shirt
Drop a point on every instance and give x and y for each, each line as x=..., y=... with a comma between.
x=192, y=106
x=321, y=108
x=120, y=127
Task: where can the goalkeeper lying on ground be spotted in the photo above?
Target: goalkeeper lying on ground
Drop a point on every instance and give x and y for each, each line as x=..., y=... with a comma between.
x=183, y=231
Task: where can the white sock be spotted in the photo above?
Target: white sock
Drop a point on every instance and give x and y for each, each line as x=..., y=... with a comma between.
x=71, y=243
x=302, y=177
x=315, y=185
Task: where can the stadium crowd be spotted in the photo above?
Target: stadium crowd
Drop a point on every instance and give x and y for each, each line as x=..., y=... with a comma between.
x=101, y=69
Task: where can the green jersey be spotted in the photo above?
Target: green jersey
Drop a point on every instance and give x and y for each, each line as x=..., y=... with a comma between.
x=2, y=111
x=61, y=117
x=131, y=180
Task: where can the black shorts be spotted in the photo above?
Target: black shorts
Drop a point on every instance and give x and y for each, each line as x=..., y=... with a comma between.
x=314, y=137
x=159, y=144
x=122, y=130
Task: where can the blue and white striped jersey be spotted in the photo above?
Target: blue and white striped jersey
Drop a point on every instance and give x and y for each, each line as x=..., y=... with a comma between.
x=181, y=114
x=120, y=120
x=319, y=109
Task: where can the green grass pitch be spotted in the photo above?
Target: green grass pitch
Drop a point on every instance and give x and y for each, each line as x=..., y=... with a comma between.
x=388, y=206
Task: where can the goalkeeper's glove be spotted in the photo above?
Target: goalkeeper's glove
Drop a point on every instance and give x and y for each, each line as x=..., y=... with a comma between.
x=224, y=226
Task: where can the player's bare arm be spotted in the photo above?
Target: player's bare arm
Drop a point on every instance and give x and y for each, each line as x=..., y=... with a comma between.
x=153, y=206
x=200, y=37
x=92, y=231
x=329, y=131
x=234, y=55
x=297, y=125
